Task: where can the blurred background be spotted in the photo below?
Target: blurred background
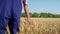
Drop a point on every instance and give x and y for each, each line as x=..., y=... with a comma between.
x=44, y=8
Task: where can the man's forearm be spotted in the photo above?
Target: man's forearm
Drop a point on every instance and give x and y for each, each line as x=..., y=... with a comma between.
x=26, y=10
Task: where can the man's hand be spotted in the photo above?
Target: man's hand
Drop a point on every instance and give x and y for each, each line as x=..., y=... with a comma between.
x=28, y=20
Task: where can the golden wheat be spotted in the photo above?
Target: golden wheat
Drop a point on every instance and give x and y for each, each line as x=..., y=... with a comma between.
x=40, y=26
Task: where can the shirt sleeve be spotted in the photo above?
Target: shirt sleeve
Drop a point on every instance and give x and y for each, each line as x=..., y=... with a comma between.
x=25, y=1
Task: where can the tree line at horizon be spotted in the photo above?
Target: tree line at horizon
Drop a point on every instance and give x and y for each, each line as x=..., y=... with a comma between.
x=42, y=15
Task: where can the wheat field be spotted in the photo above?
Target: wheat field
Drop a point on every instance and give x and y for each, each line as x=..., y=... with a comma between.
x=40, y=26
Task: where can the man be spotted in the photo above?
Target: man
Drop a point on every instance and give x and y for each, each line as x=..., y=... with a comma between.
x=10, y=12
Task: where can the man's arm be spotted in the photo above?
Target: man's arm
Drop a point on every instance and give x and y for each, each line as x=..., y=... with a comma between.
x=26, y=8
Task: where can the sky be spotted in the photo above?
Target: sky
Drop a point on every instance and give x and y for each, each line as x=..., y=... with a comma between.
x=46, y=6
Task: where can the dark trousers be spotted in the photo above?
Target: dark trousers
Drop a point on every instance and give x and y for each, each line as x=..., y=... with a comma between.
x=10, y=11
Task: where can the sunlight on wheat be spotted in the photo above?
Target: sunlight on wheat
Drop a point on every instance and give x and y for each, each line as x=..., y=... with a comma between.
x=40, y=26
